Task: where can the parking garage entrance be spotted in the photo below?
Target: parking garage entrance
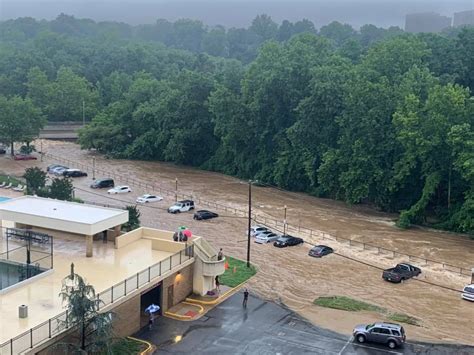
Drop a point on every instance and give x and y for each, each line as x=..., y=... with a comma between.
x=152, y=296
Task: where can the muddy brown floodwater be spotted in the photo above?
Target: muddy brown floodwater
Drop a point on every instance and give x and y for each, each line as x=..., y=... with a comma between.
x=289, y=275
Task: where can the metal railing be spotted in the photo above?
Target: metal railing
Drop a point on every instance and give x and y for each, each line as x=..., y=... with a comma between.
x=51, y=328
x=277, y=223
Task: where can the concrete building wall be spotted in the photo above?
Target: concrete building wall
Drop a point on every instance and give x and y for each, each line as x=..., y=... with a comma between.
x=426, y=22
x=182, y=287
x=463, y=18
x=127, y=315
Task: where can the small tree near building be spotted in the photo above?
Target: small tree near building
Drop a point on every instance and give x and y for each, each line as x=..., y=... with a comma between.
x=94, y=330
x=35, y=180
x=133, y=219
x=61, y=189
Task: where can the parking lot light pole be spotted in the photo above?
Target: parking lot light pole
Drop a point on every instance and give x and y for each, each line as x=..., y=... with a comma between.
x=284, y=223
x=176, y=190
x=93, y=168
x=250, y=223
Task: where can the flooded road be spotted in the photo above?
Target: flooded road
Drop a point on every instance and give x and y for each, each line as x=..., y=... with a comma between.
x=290, y=276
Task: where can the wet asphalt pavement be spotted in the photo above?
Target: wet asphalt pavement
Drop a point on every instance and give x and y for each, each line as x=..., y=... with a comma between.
x=266, y=328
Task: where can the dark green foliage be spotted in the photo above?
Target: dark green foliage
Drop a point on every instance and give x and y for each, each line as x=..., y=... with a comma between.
x=61, y=189
x=35, y=180
x=94, y=329
x=133, y=218
x=372, y=116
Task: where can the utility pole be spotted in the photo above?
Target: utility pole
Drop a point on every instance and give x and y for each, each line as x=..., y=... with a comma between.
x=250, y=223
x=176, y=189
x=284, y=223
x=83, y=113
x=93, y=168
x=41, y=142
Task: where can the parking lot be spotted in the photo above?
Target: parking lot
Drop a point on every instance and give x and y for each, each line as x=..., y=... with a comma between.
x=266, y=328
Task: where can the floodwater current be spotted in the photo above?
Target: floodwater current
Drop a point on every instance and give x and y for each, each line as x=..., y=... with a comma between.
x=289, y=275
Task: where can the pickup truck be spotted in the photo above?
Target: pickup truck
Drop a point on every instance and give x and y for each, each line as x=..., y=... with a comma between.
x=400, y=273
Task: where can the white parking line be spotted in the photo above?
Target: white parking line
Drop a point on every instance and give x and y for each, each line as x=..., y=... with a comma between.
x=378, y=349
x=345, y=345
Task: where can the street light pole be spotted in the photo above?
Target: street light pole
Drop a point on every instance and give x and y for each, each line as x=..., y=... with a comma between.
x=250, y=223
x=176, y=189
x=284, y=223
x=83, y=113
x=93, y=168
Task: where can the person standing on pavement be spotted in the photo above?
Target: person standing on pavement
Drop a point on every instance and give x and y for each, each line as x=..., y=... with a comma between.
x=218, y=285
x=220, y=255
x=246, y=297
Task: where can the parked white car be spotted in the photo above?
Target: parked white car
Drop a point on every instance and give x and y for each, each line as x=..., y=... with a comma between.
x=149, y=198
x=266, y=237
x=58, y=171
x=468, y=293
x=119, y=190
x=254, y=230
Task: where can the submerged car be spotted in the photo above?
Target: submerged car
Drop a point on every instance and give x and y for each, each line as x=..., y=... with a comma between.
x=287, y=240
x=74, y=173
x=319, y=251
x=267, y=237
x=393, y=335
x=468, y=293
x=24, y=157
x=257, y=230
x=204, y=214
x=102, y=183
x=149, y=198
x=401, y=272
x=119, y=190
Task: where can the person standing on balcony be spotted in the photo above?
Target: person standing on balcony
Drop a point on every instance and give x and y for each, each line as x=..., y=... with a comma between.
x=220, y=255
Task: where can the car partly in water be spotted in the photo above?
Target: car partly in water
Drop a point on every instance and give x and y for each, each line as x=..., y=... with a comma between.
x=319, y=251
x=123, y=189
x=24, y=157
x=103, y=183
x=468, y=293
x=181, y=206
x=391, y=334
x=74, y=173
x=254, y=230
x=204, y=214
x=267, y=237
x=147, y=198
x=287, y=240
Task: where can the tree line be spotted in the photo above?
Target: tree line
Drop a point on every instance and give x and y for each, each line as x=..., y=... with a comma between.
x=372, y=116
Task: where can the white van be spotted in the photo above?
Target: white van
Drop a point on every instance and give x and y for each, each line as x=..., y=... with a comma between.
x=468, y=293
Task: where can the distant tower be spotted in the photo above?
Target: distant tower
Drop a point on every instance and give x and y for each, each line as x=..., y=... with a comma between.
x=463, y=18
x=426, y=22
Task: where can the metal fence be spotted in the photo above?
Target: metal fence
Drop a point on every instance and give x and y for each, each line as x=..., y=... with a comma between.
x=277, y=223
x=421, y=260
x=51, y=328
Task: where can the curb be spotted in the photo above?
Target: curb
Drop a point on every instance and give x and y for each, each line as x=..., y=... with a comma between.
x=150, y=347
x=184, y=317
x=219, y=299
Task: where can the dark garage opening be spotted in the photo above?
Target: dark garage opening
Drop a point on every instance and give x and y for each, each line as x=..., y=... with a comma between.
x=146, y=299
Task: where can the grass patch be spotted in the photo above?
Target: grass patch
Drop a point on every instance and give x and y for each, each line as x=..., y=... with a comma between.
x=127, y=346
x=242, y=272
x=349, y=304
x=10, y=179
x=404, y=318
x=346, y=304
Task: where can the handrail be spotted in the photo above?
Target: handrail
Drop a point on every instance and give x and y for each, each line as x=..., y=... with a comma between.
x=46, y=330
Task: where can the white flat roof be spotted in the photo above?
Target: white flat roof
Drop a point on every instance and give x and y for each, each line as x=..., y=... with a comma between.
x=65, y=216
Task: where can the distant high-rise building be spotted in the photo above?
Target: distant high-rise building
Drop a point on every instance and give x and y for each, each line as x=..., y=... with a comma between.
x=426, y=22
x=463, y=18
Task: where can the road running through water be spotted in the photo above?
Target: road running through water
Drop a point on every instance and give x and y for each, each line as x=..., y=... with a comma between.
x=289, y=276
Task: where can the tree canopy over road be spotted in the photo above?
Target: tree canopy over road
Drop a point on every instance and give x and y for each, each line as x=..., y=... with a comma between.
x=372, y=116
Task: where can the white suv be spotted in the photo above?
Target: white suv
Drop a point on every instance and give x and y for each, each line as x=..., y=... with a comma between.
x=257, y=230
x=181, y=206
x=468, y=293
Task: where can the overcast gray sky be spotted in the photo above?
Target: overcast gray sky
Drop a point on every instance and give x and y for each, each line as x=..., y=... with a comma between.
x=234, y=12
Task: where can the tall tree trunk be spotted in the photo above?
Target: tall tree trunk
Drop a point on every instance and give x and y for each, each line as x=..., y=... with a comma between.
x=12, y=149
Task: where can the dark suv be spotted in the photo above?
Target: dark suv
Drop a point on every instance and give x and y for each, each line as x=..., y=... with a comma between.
x=385, y=333
x=103, y=183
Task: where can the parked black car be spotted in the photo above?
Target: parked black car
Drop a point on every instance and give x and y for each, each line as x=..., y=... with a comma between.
x=74, y=173
x=204, y=214
x=103, y=183
x=287, y=240
x=400, y=273
x=320, y=250
x=2, y=150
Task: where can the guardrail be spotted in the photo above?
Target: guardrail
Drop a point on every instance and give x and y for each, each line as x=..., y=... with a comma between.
x=264, y=220
x=50, y=328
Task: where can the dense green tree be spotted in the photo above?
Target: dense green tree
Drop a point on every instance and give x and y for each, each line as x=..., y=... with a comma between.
x=133, y=218
x=20, y=120
x=61, y=189
x=35, y=180
x=337, y=32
